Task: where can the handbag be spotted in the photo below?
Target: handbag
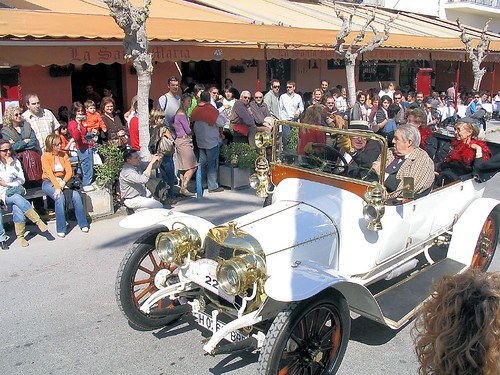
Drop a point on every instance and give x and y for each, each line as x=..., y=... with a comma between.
x=11, y=190
x=165, y=146
x=119, y=141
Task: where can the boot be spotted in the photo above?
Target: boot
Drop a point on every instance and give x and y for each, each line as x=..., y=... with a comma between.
x=35, y=218
x=183, y=190
x=20, y=229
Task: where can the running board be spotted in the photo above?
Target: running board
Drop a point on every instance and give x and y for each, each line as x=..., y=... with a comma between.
x=400, y=302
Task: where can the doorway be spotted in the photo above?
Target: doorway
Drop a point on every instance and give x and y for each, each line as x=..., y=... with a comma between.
x=99, y=76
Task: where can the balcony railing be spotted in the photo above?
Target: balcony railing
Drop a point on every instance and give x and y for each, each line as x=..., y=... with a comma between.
x=486, y=3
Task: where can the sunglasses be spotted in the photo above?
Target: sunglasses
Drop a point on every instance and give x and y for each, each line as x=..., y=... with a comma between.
x=289, y=87
x=245, y=97
x=276, y=87
x=17, y=115
x=258, y=97
x=476, y=97
x=5, y=149
x=162, y=117
x=397, y=98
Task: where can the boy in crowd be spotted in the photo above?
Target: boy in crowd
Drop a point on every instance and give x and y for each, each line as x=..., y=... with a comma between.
x=94, y=121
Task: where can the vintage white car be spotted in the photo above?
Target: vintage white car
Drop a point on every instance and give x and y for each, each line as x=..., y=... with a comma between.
x=284, y=279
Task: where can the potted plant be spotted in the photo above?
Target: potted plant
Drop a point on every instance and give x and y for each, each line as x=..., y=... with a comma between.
x=107, y=174
x=239, y=165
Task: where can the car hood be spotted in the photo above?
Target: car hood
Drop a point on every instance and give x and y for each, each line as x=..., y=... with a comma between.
x=291, y=231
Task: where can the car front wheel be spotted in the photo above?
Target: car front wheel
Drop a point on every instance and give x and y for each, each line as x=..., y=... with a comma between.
x=137, y=280
x=308, y=337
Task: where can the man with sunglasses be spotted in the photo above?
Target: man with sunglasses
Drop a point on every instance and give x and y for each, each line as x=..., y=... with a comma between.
x=291, y=107
x=242, y=118
x=271, y=99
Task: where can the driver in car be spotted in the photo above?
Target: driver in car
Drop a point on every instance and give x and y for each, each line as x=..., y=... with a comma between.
x=407, y=159
x=359, y=152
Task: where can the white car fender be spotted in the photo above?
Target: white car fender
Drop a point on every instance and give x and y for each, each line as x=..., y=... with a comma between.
x=301, y=280
x=168, y=218
x=466, y=230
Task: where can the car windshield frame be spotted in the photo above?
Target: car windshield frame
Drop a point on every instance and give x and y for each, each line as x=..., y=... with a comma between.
x=295, y=159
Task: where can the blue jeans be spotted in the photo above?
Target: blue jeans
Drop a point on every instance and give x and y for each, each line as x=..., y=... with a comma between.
x=19, y=206
x=60, y=204
x=167, y=171
x=3, y=236
x=87, y=164
x=209, y=164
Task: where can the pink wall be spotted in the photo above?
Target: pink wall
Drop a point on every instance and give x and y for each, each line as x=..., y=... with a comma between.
x=53, y=92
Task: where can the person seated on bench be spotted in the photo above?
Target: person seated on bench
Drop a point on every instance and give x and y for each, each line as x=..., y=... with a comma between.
x=12, y=191
x=407, y=159
x=466, y=153
x=457, y=330
x=57, y=172
x=133, y=182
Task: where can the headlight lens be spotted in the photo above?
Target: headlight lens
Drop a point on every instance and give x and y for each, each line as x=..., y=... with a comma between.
x=238, y=274
x=174, y=246
x=254, y=181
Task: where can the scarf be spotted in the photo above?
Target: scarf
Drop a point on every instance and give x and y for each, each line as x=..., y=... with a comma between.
x=463, y=153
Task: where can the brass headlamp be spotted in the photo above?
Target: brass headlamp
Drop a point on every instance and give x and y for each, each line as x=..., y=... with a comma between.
x=174, y=246
x=238, y=274
x=260, y=179
x=374, y=209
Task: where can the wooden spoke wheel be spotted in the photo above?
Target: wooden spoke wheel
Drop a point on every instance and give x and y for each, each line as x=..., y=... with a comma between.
x=486, y=244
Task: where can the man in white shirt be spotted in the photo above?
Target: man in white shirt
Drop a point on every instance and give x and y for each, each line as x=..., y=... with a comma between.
x=291, y=106
x=170, y=101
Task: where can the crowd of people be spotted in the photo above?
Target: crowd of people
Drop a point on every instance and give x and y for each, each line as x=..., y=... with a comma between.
x=189, y=124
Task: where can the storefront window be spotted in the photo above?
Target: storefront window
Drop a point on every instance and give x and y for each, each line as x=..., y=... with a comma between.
x=377, y=72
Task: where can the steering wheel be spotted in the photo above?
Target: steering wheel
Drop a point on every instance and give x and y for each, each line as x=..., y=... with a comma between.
x=334, y=166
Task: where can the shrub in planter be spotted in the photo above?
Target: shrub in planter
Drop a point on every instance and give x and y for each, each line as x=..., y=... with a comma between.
x=109, y=171
x=240, y=155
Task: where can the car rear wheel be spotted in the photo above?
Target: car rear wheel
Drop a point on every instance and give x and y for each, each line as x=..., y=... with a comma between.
x=309, y=337
x=135, y=283
x=486, y=244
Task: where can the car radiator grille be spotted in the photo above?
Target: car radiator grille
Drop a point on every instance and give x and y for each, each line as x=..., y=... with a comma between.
x=213, y=250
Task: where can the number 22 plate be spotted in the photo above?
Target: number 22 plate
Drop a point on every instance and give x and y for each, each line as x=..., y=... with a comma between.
x=202, y=272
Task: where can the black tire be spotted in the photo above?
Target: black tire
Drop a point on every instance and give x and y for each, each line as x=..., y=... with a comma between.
x=486, y=243
x=131, y=290
x=290, y=349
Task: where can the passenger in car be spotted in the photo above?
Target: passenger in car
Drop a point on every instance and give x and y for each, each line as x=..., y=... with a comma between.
x=360, y=152
x=407, y=159
x=466, y=153
x=428, y=142
x=307, y=137
x=458, y=328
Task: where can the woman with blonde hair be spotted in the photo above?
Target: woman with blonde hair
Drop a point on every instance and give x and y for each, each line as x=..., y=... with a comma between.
x=458, y=329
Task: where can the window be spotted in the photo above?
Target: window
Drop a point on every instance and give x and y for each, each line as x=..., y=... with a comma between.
x=372, y=72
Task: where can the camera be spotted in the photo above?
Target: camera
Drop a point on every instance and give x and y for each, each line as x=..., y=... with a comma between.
x=81, y=117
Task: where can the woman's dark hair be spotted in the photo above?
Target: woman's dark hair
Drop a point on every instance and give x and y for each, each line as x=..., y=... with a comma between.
x=385, y=98
x=107, y=100
x=360, y=94
x=75, y=107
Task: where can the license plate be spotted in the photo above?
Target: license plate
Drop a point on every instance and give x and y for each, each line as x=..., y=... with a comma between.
x=202, y=272
x=207, y=322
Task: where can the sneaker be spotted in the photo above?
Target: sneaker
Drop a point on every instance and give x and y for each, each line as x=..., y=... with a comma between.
x=60, y=234
x=88, y=188
x=85, y=229
x=186, y=192
x=218, y=190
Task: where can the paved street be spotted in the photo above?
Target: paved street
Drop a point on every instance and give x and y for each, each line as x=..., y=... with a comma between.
x=59, y=313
